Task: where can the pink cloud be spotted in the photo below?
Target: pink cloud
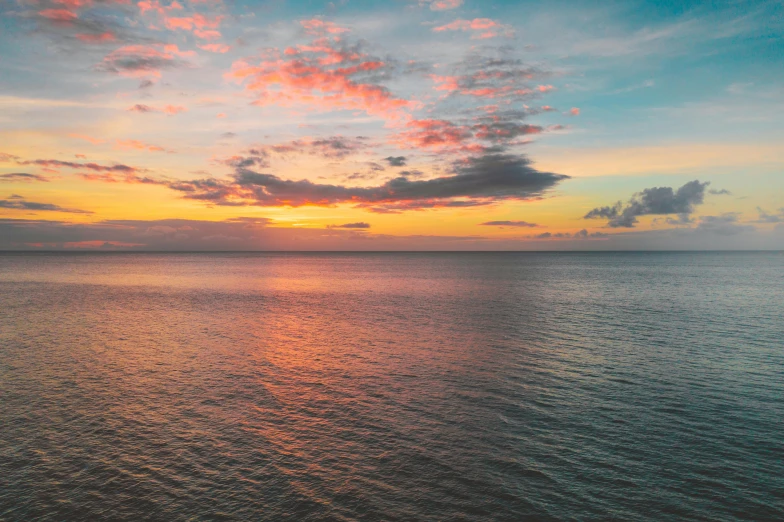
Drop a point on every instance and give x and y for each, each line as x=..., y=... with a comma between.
x=446, y=83
x=433, y=134
x=443, y=5
x=481, y=27
x=72, y=4
x=174, y=109
x=155, y=6
x=574, y=111
x=97, y=38
x=138, y=145
x=58, y=15
x=319, y=76
x=167, y=109
x=174, y=50
x=203, y=26
x=207, y=34
x=316, y=27
x=94, y=141
x=216, y=48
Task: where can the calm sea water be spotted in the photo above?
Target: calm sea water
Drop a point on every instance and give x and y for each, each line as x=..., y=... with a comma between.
x=392, y=386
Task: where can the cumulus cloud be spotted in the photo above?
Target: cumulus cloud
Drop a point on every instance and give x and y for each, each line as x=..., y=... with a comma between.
x=652, y=201
x=396, y=161
x=479, y=180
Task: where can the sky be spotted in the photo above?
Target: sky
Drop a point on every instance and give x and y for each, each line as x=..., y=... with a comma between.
x=394, y=125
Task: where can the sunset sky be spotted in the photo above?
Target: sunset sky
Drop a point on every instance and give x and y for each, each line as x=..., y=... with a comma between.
x=395, y=125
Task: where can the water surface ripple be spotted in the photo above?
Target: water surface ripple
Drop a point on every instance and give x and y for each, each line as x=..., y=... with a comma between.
x=392, y=387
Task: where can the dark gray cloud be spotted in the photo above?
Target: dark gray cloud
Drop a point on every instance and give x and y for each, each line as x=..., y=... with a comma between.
x=653, y=201
x=67, y=26
x=332, y=147
x=504, y=130
x=140, y=59
x=18, y=203
x=580, y=234
x=22, y=176
x=509, y=224
x=360, y=225
x=53, y=163
x=476, y=181
x=396, y=161
x=245, y=233
x=139, y=107
x=767, y=217
x=720, y=192
x=725, y=225
x=497, y=77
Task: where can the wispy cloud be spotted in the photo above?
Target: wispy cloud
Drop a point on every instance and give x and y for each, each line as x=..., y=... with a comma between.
x=20, y=203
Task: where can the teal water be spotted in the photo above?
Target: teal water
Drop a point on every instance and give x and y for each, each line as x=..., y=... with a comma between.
x=607, y=386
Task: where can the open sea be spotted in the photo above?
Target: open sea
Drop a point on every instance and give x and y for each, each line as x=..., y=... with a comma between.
x=410, y=386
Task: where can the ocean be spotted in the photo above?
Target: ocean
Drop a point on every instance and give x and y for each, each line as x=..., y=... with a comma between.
x=392, y=386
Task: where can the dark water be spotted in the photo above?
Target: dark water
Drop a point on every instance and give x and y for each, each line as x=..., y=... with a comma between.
x=392, y=387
